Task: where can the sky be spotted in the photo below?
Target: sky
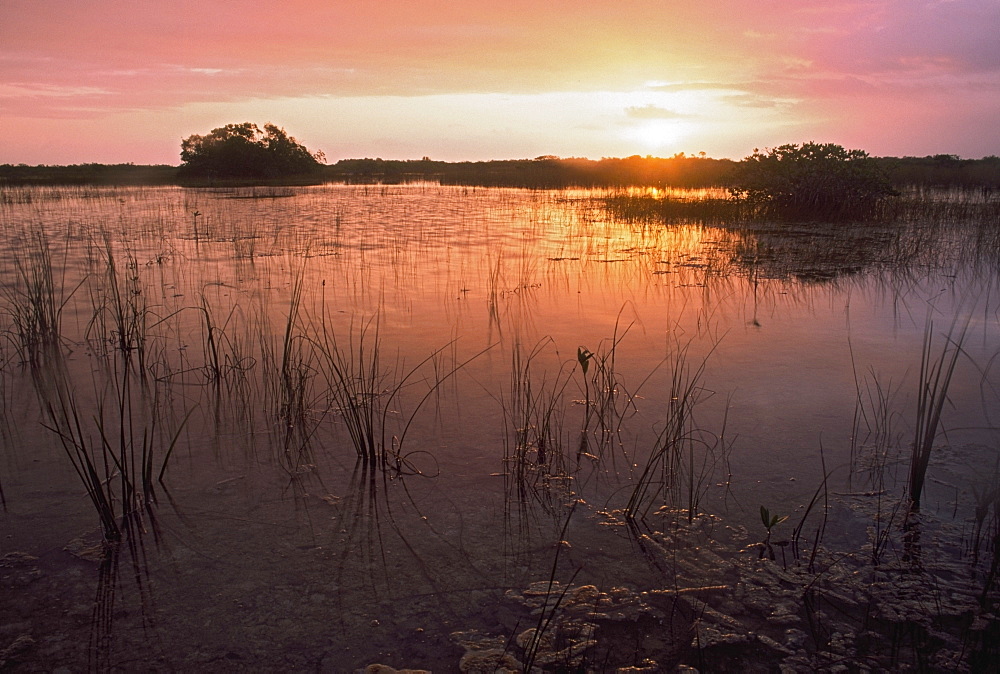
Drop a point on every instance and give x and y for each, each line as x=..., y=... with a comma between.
x=115, y=81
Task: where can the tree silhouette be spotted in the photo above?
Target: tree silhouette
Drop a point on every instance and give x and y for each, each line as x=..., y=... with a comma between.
x=812, y=179
x=245, y=151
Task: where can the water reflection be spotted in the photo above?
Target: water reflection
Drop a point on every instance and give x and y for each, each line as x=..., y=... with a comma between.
x=387, y=414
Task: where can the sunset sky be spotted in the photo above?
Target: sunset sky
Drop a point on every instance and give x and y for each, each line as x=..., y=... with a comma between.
x=125, y=80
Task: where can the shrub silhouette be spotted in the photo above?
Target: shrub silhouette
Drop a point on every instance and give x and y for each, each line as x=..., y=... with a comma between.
x=812, y=179
x=245, y=151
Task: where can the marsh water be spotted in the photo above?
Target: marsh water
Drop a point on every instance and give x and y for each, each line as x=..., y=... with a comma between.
x=573, y=419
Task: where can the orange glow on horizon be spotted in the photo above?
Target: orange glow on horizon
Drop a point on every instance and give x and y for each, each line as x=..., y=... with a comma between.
x=477, y=80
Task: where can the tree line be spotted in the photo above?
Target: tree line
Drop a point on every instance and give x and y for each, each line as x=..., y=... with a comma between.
x=637, y=171
x=540, y=173
x=247, y=154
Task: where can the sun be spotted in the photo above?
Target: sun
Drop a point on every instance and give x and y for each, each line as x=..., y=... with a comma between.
x=657, y=135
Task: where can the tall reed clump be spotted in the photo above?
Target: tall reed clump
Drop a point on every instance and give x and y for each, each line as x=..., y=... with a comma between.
x=932, y=394
x=358, y=385
x=229, y=358
x=606, y=398
x=874, y=410
x=121, y=318
x=533, y=414
x=672, y=209
x=366, y=390
x=35, y=300
x=674, y=464
x=7, y=429
x=113, y=443
x=874, y=451
x=94, y=468
x=114, y=451
x=287, y=369
x=296, y=368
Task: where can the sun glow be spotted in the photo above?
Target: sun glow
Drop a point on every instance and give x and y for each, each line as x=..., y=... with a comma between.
x=659, y=134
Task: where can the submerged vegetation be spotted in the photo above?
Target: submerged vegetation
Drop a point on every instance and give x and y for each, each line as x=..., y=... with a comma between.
x=440, y=427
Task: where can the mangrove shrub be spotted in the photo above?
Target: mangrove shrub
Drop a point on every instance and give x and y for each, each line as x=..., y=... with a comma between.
x=820, y=179
x=244, y=151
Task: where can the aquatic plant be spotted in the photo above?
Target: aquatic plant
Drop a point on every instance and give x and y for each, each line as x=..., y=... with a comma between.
x=711, y=207
x=675, y=442
x=114, y=456
x=355, y=381
x=770, y=521
x=608, y=399
x=120, y=311
x=932, y=393
x=986, y=497
x=874, y=446
x=249, y=340
x=796, y=537
x=363, y=388
x=36, y=299
x=533, y=415
x=583, y=357
x=295, y=363
x=65, y=422
x=229, y=352
x=533, y=639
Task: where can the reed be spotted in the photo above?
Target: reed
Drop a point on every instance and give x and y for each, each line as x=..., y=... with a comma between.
x=607, y=399
x=796, y=538
x=984, y=502
x=94, y=468
x=932, y=393
x=665, y=468
x=304, y=369
x=296, y=368
x=986, y=496
x=534, y=415
x=533, y=638
x=357, y=384
x=706, y=208
x=920, y=229
x=583, y=357
x=120, y=311
x=874, y=440
x=366, y=390
x=229, y=358
x=115, y=453
x=36, y=299
x=288, y=371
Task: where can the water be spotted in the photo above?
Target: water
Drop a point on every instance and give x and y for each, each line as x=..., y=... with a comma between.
x=269, y=545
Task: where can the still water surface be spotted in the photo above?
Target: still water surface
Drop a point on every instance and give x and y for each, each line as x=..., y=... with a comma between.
x=270, y=545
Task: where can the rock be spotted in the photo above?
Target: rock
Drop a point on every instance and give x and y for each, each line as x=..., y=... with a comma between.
x=491, y=661
x=19, y=568
x=386, y=669
x=19, y=645
x=647, y=667
x=88, y=548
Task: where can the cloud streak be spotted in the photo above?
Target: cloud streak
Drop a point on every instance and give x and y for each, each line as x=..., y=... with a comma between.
x=650, y=111
x=761, y=72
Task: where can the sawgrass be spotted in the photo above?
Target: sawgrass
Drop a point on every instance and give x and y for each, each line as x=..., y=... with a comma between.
x=936, y=370
x=673, y=462
x=36, y=298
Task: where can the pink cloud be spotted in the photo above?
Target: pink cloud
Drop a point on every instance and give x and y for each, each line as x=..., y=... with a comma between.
x=835, y=64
